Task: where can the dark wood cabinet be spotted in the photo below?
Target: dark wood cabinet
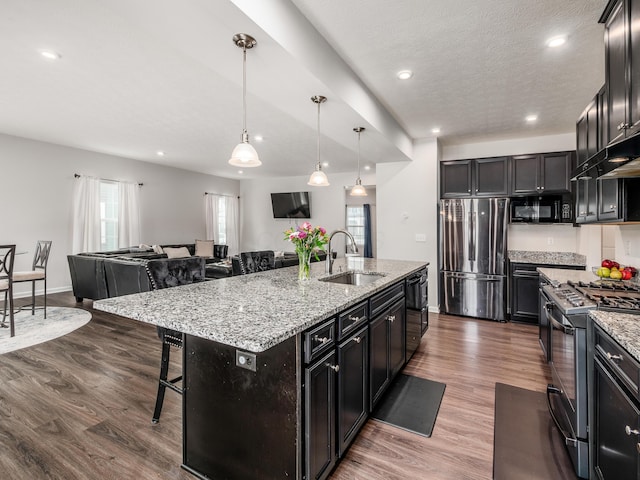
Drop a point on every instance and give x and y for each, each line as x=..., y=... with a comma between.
x=622, y=69
x=589, y=128
x=586, y=191
x=542, y=173
x=485, y=177
x=319, y=418
x=387, y=354
x=353, y=387
x=609, y=199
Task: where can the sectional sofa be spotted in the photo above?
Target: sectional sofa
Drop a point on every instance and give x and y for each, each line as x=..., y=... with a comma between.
x=98, y=275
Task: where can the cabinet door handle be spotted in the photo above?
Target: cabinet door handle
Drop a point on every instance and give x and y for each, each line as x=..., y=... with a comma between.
x=321, y=339
x=583, y=213
x=613, y=207
x=615, y=358
x=391, y=318
x=629, y=431
x=357, y=339
x=624, y=126
x=354, y=319
x=335, y=368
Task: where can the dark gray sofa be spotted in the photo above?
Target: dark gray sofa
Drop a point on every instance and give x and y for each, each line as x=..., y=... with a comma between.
x=98, y=275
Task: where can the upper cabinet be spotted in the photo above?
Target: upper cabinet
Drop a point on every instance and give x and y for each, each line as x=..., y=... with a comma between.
x=622, y=69
x=589, y=130
x=542, y=173
x=485, y=177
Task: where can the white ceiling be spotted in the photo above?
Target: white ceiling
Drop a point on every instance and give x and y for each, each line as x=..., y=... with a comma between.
x=136, y=76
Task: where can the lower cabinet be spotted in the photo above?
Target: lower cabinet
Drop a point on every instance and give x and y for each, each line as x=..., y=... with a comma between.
x=319, y=417
x=353, y=387
x=387, y=353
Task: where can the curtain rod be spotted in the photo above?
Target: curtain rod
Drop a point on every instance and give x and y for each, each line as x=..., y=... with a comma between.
x=221, y=194
x=77, y=175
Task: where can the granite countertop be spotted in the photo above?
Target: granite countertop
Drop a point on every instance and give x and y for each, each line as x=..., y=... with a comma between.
x=547, y=258
x=563, y=275
x=623, y=327
x=257, y=311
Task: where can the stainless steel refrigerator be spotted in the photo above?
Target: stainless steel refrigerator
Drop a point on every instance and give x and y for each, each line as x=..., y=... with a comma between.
x=473, y=257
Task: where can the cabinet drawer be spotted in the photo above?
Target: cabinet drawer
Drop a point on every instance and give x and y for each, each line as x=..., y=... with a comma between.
x=382, y=300
x=319, y=339
x=351, y=319
x=620, y=362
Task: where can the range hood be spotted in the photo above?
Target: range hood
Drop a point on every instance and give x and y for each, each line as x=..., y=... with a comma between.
x=619, y=160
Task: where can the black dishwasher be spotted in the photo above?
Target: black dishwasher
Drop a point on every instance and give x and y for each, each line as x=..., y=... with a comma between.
x=417, y=310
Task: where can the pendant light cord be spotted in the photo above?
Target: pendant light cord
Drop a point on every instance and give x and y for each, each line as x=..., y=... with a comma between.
x=244, y=89
x=358, y=154
x=318, y=166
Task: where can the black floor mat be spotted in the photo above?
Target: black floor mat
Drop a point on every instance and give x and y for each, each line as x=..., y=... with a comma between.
x=412, y=403
x=526, y=443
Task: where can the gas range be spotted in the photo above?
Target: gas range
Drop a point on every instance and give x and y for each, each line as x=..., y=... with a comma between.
x=579, y=297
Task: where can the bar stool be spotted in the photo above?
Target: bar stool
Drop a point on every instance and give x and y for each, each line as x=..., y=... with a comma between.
x=7, y=254
x=38, y=272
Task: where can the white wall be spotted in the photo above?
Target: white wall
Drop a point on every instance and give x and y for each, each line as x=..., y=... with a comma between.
x=627, y=244
x=512, y=146
x=260, y=231
x=36, y=195
x=407, y=199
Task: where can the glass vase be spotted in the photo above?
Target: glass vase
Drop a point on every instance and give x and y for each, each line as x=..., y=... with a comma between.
x=304, y=261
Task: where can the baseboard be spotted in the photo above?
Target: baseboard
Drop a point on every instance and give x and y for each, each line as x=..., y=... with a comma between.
x=27, y=294
x=434, y=309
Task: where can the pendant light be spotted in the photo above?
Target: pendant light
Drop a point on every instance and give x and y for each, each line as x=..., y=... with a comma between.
x=244, y=155
x=318, y=177
x=358, y=190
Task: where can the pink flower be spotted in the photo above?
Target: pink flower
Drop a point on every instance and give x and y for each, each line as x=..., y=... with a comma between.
x=322, y=231
x=294, y=235
x=302, y=235
x=306, y=226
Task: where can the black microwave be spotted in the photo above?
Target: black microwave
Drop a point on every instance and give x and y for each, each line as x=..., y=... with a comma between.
x=541, y=209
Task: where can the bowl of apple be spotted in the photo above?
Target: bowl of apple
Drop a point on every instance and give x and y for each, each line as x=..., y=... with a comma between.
x=611, y=270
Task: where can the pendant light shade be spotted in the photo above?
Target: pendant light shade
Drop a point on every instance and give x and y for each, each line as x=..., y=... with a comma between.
x=244, y=155
x=358, y=190
x=318, y=177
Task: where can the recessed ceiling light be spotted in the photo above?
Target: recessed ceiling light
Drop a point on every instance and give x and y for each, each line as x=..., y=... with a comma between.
x=258, y=138
x=556, y=41
x=367, y=167
x=160, y=153
x=405, y=74
x=531, y=118
x=435, y=130
x=50, y=54
x=325, y=164
x=240, y=172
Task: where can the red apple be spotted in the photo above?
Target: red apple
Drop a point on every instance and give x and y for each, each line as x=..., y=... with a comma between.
x=615, y=264
x=633, y=270
x=626, y=274
x=607, y=263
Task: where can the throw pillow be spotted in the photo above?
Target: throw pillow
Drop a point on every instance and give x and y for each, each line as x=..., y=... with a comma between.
x=180, y=252
x=157, y=249
x=204, y=248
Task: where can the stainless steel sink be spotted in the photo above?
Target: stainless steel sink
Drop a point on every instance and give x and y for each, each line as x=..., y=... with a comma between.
x=354, y=278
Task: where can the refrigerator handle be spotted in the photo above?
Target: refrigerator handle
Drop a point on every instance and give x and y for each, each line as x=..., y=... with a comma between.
x=472, y=236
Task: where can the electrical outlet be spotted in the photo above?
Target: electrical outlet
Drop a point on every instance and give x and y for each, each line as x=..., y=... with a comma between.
x=421, y=237
x=549, y=240
x=246, y=360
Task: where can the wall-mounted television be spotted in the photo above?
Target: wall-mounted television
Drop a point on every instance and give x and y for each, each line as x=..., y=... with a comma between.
x=291, y=205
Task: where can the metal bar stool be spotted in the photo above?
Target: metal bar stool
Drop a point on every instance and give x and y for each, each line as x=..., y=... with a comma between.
x=7, y=254
x=38, y=272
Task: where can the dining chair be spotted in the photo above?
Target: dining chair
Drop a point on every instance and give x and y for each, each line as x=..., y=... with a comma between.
x=38, y=272
x=7, y=254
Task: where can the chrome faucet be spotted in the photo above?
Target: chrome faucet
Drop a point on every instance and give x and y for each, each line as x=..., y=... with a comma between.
x=328, y=266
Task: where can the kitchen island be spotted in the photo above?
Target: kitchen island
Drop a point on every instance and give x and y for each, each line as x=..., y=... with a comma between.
x=255, y=349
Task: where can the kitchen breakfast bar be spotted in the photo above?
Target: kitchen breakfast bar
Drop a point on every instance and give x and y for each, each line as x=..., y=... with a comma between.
x=280, y=375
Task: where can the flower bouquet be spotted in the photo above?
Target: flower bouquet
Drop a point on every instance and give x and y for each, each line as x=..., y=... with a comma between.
x=307, y=240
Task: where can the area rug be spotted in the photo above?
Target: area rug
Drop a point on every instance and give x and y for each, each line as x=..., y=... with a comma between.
x=34, y=329
x=526, y=443
x=412, y=403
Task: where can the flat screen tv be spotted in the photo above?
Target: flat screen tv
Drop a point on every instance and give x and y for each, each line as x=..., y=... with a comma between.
x=291, y=205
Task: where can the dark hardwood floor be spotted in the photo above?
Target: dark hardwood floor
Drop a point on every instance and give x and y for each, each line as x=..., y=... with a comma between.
x=79, y=407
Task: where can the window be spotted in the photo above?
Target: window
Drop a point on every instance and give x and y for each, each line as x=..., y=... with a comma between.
x=108, y=215
x=355, y=222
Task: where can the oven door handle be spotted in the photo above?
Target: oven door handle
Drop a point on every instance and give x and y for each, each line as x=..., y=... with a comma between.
x=568, y=438
x=567, y=329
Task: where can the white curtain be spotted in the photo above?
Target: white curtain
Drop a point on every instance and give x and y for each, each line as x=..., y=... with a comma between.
x=233, y=225
x=86, y=215
x=211, y=203
x=128, y=215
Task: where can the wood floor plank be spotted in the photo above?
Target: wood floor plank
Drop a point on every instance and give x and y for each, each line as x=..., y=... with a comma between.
x=79, y=407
